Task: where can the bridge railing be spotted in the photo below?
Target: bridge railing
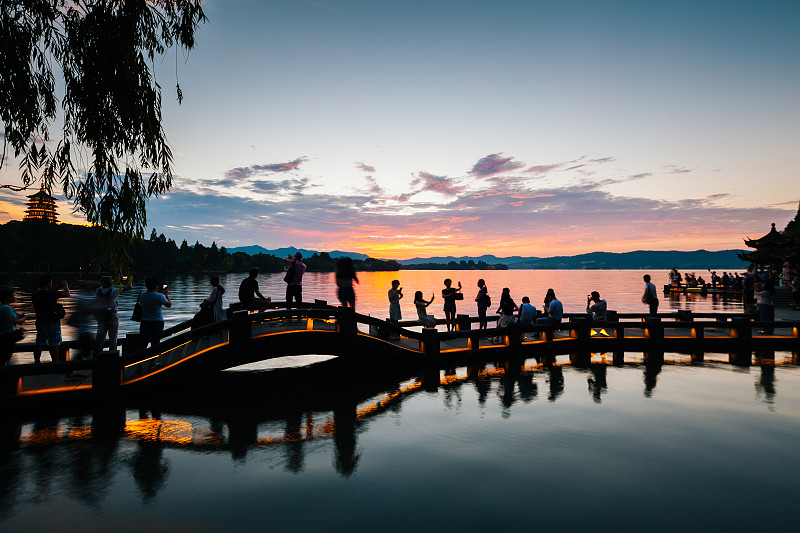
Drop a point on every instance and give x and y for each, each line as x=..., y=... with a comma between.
x=577, y=330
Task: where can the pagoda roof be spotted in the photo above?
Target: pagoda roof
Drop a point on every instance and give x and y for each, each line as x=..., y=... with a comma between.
x=773, y=239
x=760, y=257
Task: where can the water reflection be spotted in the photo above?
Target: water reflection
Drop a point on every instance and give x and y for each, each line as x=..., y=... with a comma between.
x=284, y=412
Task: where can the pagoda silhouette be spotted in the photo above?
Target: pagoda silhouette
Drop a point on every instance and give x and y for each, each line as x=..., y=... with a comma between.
x=41, y=206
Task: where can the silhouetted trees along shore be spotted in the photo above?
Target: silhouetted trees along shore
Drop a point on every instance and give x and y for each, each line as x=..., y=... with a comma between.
x=37, y=246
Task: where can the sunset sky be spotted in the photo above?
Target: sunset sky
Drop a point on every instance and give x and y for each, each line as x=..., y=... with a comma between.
x=533, y=128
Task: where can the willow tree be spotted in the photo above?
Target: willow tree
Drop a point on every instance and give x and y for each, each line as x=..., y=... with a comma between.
x=87, y=67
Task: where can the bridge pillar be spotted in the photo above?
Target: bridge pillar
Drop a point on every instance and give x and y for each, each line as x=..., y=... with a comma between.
x=107, y=374
x=130, y=343
x=241, y=330
x=514, y=337
x=430, y=342
x=582, y=330
x=742, y=329
x=463, y=323
x=10, y=385
x=742, y=358
x=347, y=322
x=654, y=329
x=685, y=315
x=63, y=352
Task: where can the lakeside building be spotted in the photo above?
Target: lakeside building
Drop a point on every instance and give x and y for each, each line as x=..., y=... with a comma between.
x=772, y=250
x=42, y=206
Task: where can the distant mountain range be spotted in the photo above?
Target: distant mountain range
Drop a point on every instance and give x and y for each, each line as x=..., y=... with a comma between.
x=641, y=259
x=291, y=250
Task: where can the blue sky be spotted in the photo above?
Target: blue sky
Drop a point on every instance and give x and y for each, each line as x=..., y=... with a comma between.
x=525, y=128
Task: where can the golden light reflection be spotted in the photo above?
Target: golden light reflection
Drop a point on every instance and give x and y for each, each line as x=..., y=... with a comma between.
x=180, y=432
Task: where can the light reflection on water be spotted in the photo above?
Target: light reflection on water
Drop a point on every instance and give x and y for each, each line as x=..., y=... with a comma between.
x=621, y=288
x=661, y=447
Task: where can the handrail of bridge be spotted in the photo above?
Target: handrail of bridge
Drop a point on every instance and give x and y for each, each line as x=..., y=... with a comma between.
x=741, y=326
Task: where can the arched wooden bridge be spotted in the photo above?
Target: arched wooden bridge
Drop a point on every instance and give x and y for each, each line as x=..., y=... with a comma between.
x=328, y=330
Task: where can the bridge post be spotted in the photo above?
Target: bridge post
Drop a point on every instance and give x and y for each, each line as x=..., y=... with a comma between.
x=582, y=329
x=10, y=385
x=742, y=329
x=685, y=315
x=463, y=323
x=130, y=343
x=107, y=374
x=241, y=330
x=63, y=352
x=654, y=329
x=347, y=322
x=430, y=342
x=514, y=337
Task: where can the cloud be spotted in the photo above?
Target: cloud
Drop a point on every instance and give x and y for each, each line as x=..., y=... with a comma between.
x=292, y=186
x=243, y=173
x=674, y=169
x=440, y=184
x=366, y=168
x=494, y=164
x=281, y=167
x=542, y=169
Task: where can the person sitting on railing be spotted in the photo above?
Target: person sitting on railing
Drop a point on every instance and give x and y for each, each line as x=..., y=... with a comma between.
x=9, y=334
x=214, y=300
x=596, y=307
x=249, y=295
x=527, y=312
x=553, y=310
x=506, y=309
x=427, y=321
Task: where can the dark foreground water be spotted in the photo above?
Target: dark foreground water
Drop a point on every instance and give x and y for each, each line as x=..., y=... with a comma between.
x=338, y=447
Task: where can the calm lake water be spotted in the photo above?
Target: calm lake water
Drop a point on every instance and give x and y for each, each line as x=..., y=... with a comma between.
x=336, y=446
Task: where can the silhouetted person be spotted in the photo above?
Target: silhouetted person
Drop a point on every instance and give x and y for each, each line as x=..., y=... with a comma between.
x=449, y=296
x=553, y=310
x=650, y=296
x=345, y=277
x=9, y=319
x=48, y=317
x=484, y=301
x=250, y=296
x=106, y=314
x=596, y=307
x=294, y=281
x=152, y=325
